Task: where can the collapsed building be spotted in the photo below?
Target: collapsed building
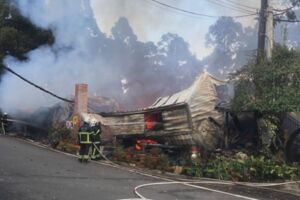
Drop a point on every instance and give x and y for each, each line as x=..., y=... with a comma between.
x=185, y=118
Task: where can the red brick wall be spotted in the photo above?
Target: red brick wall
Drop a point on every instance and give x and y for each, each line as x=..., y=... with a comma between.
x=81, y=98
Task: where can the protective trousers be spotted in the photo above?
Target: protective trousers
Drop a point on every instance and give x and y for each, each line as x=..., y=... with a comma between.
x=84, y=152
x=85, y=144
x=2, y=128
x=95, y=151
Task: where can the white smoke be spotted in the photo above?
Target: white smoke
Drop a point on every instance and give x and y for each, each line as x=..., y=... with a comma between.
x=73, y=58
x=76, y=54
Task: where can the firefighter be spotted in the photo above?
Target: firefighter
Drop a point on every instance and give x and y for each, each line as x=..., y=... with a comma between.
x=96, y=139
x=85, y=142
x=3, y=123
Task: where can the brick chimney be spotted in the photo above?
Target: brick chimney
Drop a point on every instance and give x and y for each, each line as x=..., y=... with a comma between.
x=81, y=98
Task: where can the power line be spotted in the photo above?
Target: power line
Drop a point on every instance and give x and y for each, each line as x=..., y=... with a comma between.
x=284, y=10
x=222, y=4
x=286, y=20
x=39, y=87
x=196, y=13
x=232, y=7
x=242, y=5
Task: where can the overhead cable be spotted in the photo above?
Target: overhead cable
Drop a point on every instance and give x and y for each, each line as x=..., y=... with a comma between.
x=242, y=5
x=198, y=14
x=224, y=5
x=35, y=85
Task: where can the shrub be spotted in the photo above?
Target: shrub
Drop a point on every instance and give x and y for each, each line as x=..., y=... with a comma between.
x=163, y=162
x=160, y=162
x=119, y=153
x=195, y=169
x=58, y=132
x=251, y=169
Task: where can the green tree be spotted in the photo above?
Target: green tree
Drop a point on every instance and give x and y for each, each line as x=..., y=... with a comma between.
x=17, y=34
x=270, y=89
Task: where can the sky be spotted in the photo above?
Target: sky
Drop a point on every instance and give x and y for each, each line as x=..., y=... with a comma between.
x=150, y=20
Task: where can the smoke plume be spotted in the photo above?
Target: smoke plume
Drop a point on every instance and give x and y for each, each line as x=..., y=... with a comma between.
x=117, y=66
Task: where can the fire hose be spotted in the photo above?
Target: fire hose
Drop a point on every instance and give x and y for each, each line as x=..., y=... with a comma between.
x=189, y=183
x=185, y=182
x=105, y=158
x=25, y=123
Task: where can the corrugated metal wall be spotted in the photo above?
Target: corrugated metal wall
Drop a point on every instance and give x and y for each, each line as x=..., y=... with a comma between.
x=186, y=116
x=202, y=105
x=126, y=124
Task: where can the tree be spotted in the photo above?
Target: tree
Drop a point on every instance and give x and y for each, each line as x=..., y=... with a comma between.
x=287, y=13
x=147, y=67
x=17, y=34
x=274, y=85
x=269, y=88
x=176, y=61
x=232, y=44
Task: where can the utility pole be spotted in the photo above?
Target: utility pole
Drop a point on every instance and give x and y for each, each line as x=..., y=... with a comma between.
x=265, y=31
x=269, y=33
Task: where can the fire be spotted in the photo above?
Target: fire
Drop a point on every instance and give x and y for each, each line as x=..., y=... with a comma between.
x=152, y=121
x=143, y=142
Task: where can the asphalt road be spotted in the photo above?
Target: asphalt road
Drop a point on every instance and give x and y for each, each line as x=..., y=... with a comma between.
x=28, y=172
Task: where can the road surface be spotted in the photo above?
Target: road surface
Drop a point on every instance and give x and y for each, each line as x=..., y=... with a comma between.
x=29, y=172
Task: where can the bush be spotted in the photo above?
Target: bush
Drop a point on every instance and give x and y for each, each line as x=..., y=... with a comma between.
x=163, y=162
x=119, y=153
x=250, y=169
x=160, y=162
x=58, y=132
x=195, y=169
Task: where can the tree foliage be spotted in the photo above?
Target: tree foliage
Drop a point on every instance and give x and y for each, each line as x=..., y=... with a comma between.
x=289, y=12
x=17, y=34
x=270, y=87
x=167, y=62
x=232, y=45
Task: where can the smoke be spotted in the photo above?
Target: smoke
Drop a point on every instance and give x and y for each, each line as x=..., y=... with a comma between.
x=151, y=20
x=287, y=33
x=117, y=66
x=117, y=62
x=73, y=58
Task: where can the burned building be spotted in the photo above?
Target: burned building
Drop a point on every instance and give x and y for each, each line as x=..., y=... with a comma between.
x=185, y=118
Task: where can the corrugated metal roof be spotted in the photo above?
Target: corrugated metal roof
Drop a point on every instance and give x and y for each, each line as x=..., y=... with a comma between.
x=185, y=95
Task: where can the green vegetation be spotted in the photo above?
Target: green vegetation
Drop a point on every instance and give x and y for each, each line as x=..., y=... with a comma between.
x=119, y=153
x=252, y=168
x=270, y=89
x=17, y=34
x=58, y=132
x=160, y=162
x=228, y=166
